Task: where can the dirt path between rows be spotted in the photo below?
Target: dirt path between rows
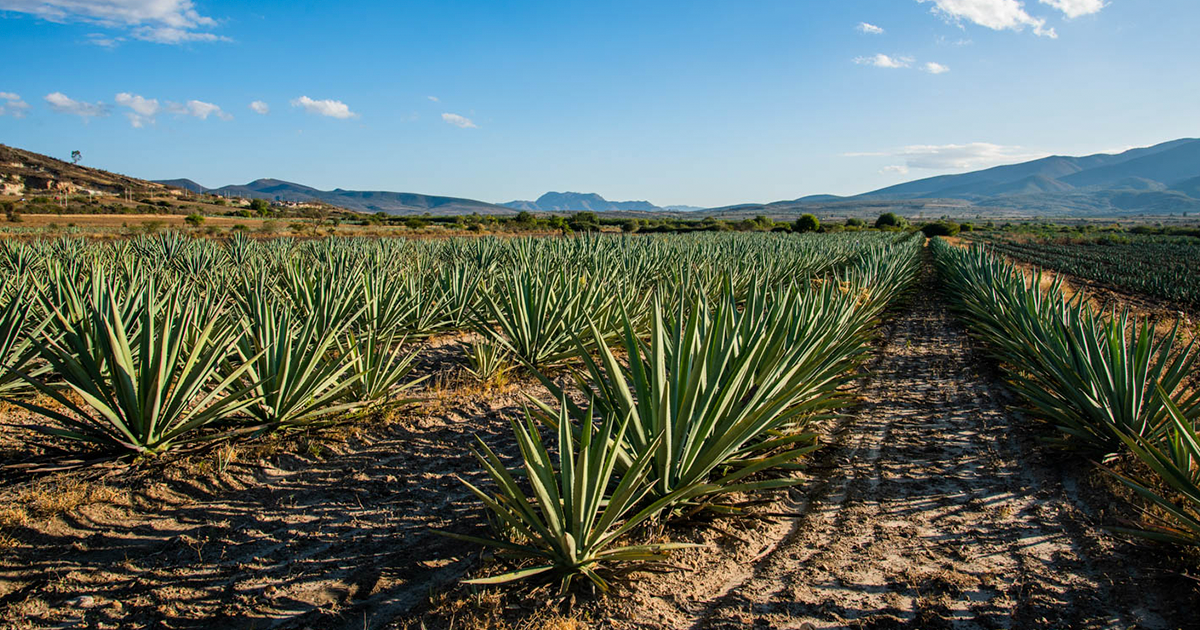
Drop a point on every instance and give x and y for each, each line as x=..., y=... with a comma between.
x=935, y=508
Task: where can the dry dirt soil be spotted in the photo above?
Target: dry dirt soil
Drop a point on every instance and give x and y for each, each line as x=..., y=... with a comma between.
x=932, y=506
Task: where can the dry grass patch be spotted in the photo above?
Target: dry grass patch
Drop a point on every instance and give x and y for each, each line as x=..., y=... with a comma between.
x=48, y=498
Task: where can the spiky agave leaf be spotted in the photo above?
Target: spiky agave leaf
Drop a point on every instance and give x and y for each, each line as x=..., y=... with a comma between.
x=1092, y=377
x=380, y=362
x=17, y=347
x=145, y=390
x=570, y=520
x=1175, y=462
x=299, y=381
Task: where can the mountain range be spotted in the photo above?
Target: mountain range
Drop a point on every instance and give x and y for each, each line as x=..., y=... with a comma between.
x=1161, y=179
x=581, y=202
x=359, y=200
x=1164, y=178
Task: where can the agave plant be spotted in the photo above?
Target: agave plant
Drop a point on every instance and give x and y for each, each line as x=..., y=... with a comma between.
x=571, y=520
x=291, y=357
x=488, y=361
x=538, y=317
x=717, y=397
x=145, y=387
x=1175, y=462
x=17, y=348
x=380, y=362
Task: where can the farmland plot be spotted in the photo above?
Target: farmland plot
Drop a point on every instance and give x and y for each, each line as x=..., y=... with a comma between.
x=331, y=434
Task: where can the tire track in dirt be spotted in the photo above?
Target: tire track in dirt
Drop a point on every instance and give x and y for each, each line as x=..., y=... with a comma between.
x=935, y=515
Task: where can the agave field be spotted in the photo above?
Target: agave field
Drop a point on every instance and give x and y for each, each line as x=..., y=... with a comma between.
x=667, y=382
x=1160, y=266
x=1110, y=385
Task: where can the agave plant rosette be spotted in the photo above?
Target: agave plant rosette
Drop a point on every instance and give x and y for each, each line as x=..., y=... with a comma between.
x=144, y=386
x=569, y=520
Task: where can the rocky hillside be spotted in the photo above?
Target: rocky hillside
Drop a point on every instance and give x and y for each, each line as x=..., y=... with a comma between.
x=24, y=173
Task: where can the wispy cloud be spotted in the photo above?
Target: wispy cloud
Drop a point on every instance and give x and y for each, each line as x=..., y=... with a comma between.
x=1076, y=8
x=884, y=61
x=198, y=109
x=11, y=104
x=434, y=99
x=998, y=15
x=63, y=104
x=325, y=107
x=459, y=121
x=894, y=169
x=260, y=107
x=160, y=21
x=970, y=156
x=933, y=67
x=868, y=28
x=104, y=41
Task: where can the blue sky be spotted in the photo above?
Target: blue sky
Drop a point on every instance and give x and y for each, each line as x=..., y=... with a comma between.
x=678, y=102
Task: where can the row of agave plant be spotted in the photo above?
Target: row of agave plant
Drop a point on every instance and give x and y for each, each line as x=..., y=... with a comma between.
x=146, y=345
x=1111, y=385
x=682, y=410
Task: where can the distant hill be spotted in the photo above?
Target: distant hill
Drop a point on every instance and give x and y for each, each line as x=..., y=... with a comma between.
x=1190, y=187
x=185, y=184
x=25, y=173
x=580, y=202
x=1161, y=178
x=359, y=200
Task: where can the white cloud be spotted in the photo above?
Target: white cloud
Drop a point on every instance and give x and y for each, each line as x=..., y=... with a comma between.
x=326, y=107
x=12, y=104
x=970, y=156
x=260, y=107
x=934, y=67
x=172, y=35
x=459, y=121
x=63, y=104
x=868, y=28
x=1075, y=8
x=104, y=41
x=884, y=61
x=143, y=109
x=197, y=109
x=161, y=21
x=434, y=99
x=998, y=15
x=895, y=169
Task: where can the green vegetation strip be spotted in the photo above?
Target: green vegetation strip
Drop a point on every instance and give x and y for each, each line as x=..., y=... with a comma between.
x=1113, y=387
x=1160, y=266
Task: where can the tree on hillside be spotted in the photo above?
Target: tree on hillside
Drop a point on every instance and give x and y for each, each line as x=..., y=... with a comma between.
x=260, y=206
x=807, y=223
x=194, y=219
x=76, y=156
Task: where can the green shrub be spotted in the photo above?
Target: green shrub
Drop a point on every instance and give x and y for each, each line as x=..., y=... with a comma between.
x=941, y=228
x=807, y=223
